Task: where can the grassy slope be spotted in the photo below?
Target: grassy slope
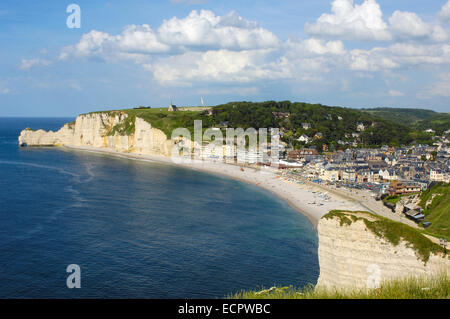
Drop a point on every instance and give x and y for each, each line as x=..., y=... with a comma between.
x=438, y=212
x=419, y=118
x=439, y=123
x=392, y=231
x=400, y=115
x=432, y=287
x=159, y=118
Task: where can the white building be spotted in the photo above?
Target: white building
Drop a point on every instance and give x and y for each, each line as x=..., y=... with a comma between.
x=437, y=176
x=305, y=139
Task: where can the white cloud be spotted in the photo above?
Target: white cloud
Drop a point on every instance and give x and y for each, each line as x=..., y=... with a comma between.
x=440, y=88
x=408, y=24
x=75, y=85
x=396, y=93
x=444, y=14
x=215, y=66
x=203, y=48
x=5, y=91
x=198, y=31
x=235, y=90
x=352, y=22
x=133, y=43
x=205, y=29
x=189, y=2
x=316, y=47
x=26, y=64
x=399, y=55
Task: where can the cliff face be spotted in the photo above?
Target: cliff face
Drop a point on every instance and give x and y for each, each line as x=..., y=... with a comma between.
x=353, y=256
x=95, y=130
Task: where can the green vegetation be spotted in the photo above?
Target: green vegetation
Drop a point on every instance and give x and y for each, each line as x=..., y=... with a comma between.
x=439, y=123
x=159, y=118
x=390, y=230
x=334, y=123
x=401, y=115
x=424, y=287
x=419, y=119
x=438, y=210
x=394, y=199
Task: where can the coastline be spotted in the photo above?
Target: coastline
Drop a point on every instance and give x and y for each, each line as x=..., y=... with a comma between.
x=302, y=197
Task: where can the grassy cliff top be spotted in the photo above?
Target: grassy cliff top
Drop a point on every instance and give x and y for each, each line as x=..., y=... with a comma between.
x=425, y=287
x=159, y=118
x=394, y=232
x=333, y=122
x=438, y=210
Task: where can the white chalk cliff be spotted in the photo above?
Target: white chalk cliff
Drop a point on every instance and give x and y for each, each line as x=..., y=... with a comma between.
x=353, y=256
x=95, y=130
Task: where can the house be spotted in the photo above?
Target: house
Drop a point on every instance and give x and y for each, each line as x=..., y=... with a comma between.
x=305, y=139
x=318, y=136
x=360, y=127
x=306, y=126
x=301, y=153
x=388, y=174
x=330, y=174
x=415, y=215
x=431, y=131
x=281, y=115
x=349, y=175
x=172, y=107
x=437, y=176
x=400, y=188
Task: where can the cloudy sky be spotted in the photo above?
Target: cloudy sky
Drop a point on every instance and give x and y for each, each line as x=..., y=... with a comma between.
x=356, y=53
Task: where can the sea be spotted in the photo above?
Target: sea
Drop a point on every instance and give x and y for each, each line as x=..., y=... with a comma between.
x=138, y=229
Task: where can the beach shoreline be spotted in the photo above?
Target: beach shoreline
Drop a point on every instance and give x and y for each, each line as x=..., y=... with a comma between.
x=301, y=197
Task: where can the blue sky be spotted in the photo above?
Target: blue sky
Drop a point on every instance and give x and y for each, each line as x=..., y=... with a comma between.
x=361, y=53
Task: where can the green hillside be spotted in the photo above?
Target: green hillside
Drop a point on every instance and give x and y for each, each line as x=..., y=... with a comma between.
x=401, y=115
x=419, y=119
x=439, y=122
x=437, y=211
x=333, y=123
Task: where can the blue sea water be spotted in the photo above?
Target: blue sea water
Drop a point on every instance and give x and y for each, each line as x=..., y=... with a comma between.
x=138, y=229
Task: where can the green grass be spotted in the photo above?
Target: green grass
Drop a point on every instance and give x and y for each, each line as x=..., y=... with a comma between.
x=394, y=199
x=438, y=212
x=424, y=287
x=159, y=118
x=392, y=231
x=402, y=115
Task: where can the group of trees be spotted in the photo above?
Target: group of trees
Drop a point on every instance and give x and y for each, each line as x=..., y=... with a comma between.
x=334, y=123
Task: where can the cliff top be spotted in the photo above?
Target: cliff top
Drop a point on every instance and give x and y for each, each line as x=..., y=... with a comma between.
x=392, y=231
